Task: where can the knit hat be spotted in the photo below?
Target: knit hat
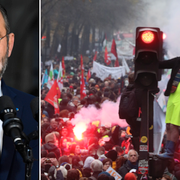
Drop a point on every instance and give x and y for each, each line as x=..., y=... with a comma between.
x=51, y=137
x=96, y=165
x=88, y=161
x=112, y=154
x=103, y=177
x=104, y=172
x=73, y=174
x=130, y=176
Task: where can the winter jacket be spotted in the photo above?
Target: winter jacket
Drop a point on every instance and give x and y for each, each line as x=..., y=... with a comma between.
x=125, y=168
x=52, y=148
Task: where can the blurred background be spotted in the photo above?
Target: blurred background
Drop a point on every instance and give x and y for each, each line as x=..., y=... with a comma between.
x=22, y=71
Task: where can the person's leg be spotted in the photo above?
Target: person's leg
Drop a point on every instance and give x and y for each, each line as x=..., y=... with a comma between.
x=172, y=138
x=168, y=134
x=174, y=133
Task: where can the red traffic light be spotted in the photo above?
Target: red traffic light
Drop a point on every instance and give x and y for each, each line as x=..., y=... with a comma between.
x=147, y=37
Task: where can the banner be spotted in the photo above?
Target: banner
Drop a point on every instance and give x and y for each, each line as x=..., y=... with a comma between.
x=103, y=71
x=113, y=173
x=124, y=63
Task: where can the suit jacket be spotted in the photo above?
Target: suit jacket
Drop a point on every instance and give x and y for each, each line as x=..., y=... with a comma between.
x=173, y=64
x=12, y=166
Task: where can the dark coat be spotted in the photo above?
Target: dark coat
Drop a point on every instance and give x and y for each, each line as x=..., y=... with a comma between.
x=59, y=175
x=12, y=166
x=52, y=148
x=173, y=64
x=125, y=168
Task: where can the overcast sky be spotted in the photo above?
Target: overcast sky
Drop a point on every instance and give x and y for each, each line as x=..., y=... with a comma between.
x=165, y=14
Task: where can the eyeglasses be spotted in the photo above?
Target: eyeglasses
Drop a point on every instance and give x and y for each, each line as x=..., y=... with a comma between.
x=4, y=36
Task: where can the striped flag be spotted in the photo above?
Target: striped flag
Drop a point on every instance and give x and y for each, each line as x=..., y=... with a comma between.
x=60, y=77
x=51, y=77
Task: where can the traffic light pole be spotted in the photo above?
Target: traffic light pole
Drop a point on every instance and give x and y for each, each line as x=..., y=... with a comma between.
x=148, y=54
x=146, y=134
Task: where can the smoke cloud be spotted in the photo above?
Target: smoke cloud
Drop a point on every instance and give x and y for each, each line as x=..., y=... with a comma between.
x=108, y=114
x=165, y=15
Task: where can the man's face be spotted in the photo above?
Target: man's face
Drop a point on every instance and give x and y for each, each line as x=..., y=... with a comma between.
x=5, y=47
x=133, y=157
x=54, y=124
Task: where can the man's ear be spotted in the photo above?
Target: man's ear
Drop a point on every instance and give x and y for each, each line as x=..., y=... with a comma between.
x=11, y=43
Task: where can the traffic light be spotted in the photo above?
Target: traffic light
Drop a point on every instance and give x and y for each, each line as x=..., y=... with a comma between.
x=148, y=53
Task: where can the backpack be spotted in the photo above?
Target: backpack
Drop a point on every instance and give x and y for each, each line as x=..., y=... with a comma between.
x=128, y=107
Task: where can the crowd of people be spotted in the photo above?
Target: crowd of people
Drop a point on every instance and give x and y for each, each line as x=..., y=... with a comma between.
x=104, y=152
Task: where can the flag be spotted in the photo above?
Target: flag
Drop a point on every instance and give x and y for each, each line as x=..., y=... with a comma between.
x=60, y=77
x=113, y=51
x=53, y=95
x=63, y=66
x=134, y=51
x=88, y=75
x=106, y=57
x=104, y=40
x=44, y=78
x=82, y=84
x=51, y=77
x=95, y=56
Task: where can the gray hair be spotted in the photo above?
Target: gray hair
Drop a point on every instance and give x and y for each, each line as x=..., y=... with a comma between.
x=131, y=150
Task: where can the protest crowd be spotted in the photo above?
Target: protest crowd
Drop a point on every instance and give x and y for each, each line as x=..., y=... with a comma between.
x=97, y=149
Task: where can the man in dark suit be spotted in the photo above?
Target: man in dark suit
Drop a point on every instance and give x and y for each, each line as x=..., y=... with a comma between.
x=12, y=166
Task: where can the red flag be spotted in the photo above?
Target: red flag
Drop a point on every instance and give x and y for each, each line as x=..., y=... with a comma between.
x=63, y=66
x=113, y=51
x=106, y=57
x=82, y=84
x=134, y=51
x=116, y=64
x=88, y=75
x=53, y=95
x=95, y=56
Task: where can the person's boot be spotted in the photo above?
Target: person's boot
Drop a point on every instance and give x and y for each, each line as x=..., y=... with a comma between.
x=169, y=151
x=166, y=146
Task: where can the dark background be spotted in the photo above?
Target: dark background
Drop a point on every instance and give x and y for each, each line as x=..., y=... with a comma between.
x=22, y=71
